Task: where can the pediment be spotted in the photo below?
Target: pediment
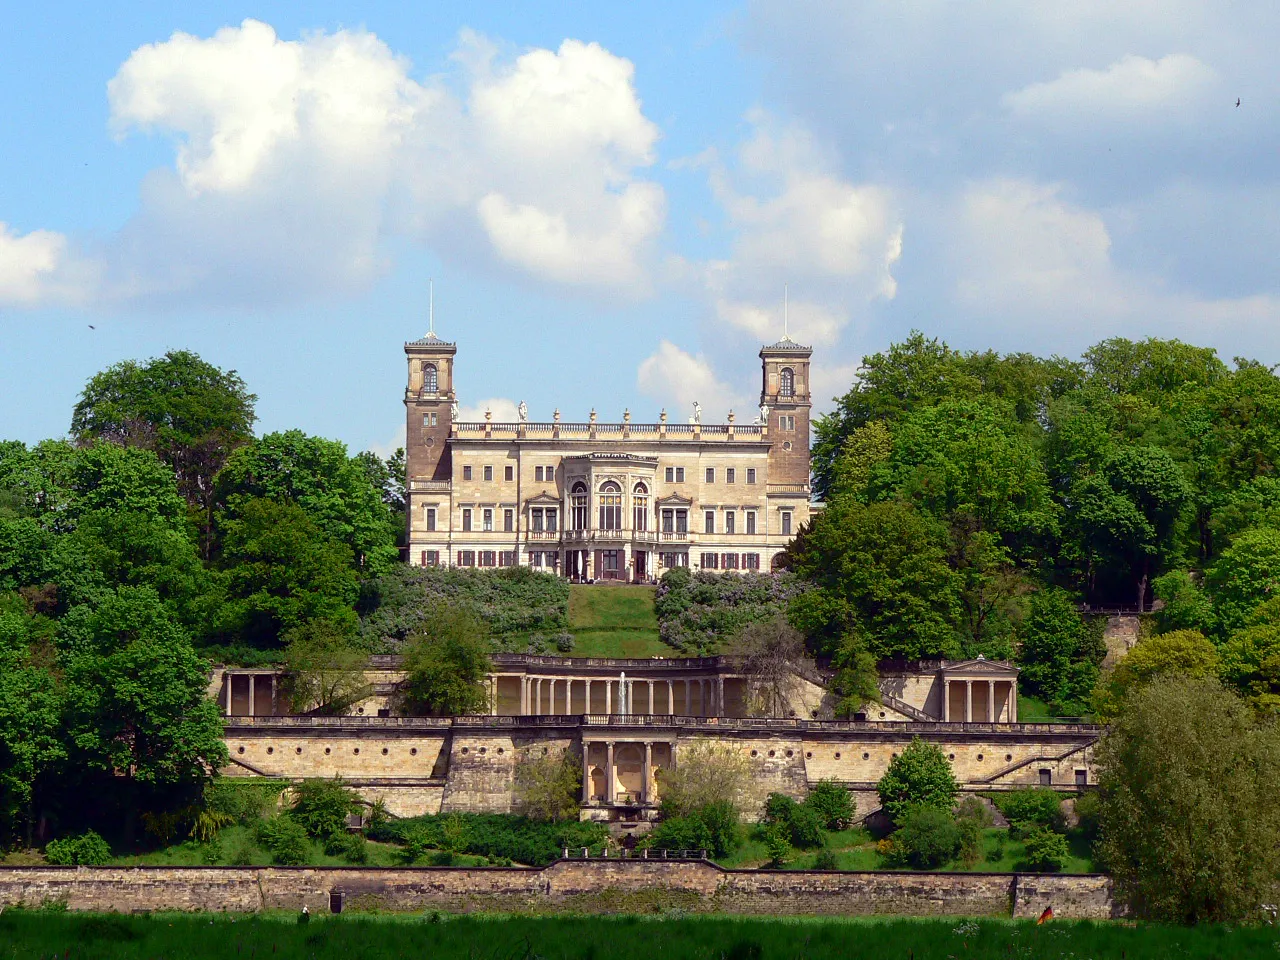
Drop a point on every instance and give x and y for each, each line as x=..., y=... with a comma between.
x=980, y=668
x=674, y=500
x=542, y=499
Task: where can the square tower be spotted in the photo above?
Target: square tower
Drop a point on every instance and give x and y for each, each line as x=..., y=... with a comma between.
x=785, y=391
x=429, y=399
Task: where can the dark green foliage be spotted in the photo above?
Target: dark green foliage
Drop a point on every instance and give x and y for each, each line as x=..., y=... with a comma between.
x=86, y=850
x=825, y=860
x=1046, y=851
x=927, y=838
x=799, y=824
x=1060, y=653
x=832, y=803
x=919, y=776
x=712, y=827
x=1188, y=777
x=493, y=835
x=322, y=806
x=286, y=838
x=775, y=841
x=698, y=612
x=1088, y=810
x=446, y=664
x=512, y=600
x=244, y=801
x=1034, y=807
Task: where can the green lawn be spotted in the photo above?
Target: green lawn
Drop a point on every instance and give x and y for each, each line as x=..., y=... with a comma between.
x=608, y=621
x=671, y=935
x=1031, y=710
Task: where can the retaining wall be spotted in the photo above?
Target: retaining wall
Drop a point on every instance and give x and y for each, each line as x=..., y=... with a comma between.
x=595, y=886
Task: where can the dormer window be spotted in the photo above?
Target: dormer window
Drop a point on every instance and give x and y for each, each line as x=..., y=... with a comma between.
x=786, y=383
x=430, y=381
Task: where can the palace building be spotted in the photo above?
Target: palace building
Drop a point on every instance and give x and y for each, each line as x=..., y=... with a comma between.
x=605, y=501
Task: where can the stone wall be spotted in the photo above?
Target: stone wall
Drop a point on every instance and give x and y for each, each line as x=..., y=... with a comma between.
x=587, y=886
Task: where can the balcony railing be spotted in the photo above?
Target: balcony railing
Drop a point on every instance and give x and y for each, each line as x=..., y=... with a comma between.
x=675, y=536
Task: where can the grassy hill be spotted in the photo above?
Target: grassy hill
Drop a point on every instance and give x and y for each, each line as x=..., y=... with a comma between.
x=609, y=621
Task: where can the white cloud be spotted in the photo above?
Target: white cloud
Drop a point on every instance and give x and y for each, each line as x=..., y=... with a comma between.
x=833, y=241
x=28, y=264
x=501, y=409
x=1131, y=89
x=297, y=160
x=679, y=379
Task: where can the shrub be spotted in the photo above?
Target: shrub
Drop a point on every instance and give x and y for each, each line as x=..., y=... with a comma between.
x=322, y=807
x=775, y=841
x=564, y=643
x=548, y=785
x=1031, y=808
x=286, y=839
x=1088, y=813
x=928, y=837
x=919, y=776
x=972, y=808
x=832, y=804
x=86, y=850
x=245, y=802
x=1046, y=851
x=493, y=835
x=699, y=611
x=681, y=833
x=354, y=848
x=798, y=823
x=445, y=662
x=825, y=860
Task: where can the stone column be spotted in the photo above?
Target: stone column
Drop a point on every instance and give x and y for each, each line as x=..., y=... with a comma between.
x=252, y=690
x=586, y=772
x=608, y=775
x=1013, y=701
x=587, y=704
x=946, y=701
x=671, y=699
x=493, y=696
x=275, y=709
x=688, y=704
x=650, y=700
x=608, y=703
x=648, y=771
x=568, y=696
x=226, y=678
x=551, y=707
x=537, y=696
x=991, y=701
x=968, y=701
x=720, y=697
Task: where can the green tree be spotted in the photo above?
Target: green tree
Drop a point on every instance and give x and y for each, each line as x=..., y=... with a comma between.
x=1188, y=777
x=281, y=571
x=919, y=776
x=879, y=572
x=446, y=664
x=708, y=775
x=1246, y=574
x=324, y=669
x=927, y=837
x=861, y=452
x=832, y=804
x=1152, y=369
x=138, y=710
x=322, y=806
x=334, y=490
x=1186, y=606
x=1046, y=851
x=549, y=785
x=1058, y=654
x=1183, y=653
x=856, y=681
x=1251, y=664
x=191, y=414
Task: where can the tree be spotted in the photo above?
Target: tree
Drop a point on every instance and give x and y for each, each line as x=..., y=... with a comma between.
x=1251, y=664
x=1058, y=654
x=1188, y=777
x=1152, y=368
x=1246, y=574
x=446, y=664
x=1185, y=604
x=324, y=669
x=707, y=774
x=856, y=681
x=281, y=571
x=832, y=804
x=138, y=710
x=191, y=414
x=879, y=572
x=549, y=785
x=927, y=837
x=919, y=776
x=1183, y=653
x=863, y=450
x=334, y=491
x=322, y=806
x=771, y=652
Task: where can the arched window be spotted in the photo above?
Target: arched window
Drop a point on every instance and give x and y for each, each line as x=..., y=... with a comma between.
x=640, y=507
x=610, y=506
x=430, y=381
x=786, y=383
x=578, y=499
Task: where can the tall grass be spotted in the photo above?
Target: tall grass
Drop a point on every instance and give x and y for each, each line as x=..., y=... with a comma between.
x=444, y=937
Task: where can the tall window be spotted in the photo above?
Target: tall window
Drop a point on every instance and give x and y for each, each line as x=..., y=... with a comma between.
x=786, y=523
x=508, y=520
x=640, y=507
x=611, y=506
x=730, y=519
x=537, y=519
x=466, y=473
x=682, y=521
x=751, y=522
x=730, y=475
x=431, y=519
x=488, y=473
x=709, y=521
x=488, y=520
x=579, y=500
x=668, y=521
x=751, y=474
x=711, y=474
x=466, y=519
x=671, y=474
x=679, y=474
x=786, y=383
x=537, y=474
x=429, y=379
x=551, y=520
x=710, y=561
x=508, y=473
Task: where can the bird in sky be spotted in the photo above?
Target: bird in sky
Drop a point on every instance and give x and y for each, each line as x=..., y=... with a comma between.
x=1237, y=103
x=92, y=327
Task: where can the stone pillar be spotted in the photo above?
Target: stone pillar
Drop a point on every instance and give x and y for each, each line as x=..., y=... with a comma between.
x=252, y=690
x=551, y=707
x=946, y=701
x=1013, y=701
x=275, y=709
x=720, y=712
x=671, y=699
x=493, y=696
x=608, y=774
x=648, y=770
x=226, y=679
x=537, y=696
x=650, y=701
x=968, y=701
x=688, y=704
x=568, y=696
x=991, y=701
x=586, y=772
x=608, y=703
x=587, y=704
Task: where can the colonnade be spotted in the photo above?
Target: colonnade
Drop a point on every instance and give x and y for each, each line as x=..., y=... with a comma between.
x=229, y=677
x=610, y=780
x=540, y=696
x=992, y=714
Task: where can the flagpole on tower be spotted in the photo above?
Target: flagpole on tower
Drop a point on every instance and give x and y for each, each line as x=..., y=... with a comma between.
x=786, y=327
x=431, y=306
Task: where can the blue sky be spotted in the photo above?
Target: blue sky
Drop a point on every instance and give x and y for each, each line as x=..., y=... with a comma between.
x=611, y=197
